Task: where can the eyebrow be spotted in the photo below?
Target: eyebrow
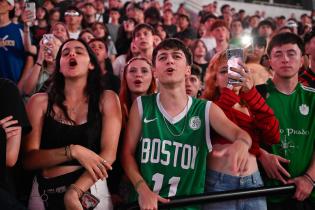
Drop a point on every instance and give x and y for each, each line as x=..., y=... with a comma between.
x=173, y=52
x=77, y=48
x=280, y=51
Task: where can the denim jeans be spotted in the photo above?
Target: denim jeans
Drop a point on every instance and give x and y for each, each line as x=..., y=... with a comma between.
x=216, y=182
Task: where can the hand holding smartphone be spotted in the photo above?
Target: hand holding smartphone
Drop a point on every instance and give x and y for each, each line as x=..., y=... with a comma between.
x=234, y=56
x=30, y=6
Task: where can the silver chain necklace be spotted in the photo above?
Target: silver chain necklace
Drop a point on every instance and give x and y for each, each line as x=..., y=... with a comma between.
x=183, y=129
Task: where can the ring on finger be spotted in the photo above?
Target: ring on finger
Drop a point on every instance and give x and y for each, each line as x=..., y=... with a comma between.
x=99, y=166
x=104, y=161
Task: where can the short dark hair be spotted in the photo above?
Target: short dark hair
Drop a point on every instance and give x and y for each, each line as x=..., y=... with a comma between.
x=102, y=40
x=173, y=43
x=141, y=26
x=285, y=38
x=207, y=17
x=260, y=41
x=197, y=71
x=268, y=23
x=309, y=36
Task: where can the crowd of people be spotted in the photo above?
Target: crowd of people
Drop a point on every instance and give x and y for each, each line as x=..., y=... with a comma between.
x=104, y=103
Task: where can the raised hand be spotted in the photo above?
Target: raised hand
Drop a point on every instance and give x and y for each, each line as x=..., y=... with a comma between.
x=246, y=80
x=10, y=127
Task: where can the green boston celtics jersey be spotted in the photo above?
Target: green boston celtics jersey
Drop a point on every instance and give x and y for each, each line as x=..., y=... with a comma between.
x=172, y=152
x=296, y=114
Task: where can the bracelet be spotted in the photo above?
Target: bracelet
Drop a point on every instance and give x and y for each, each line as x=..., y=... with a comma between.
x=309, y=177
x=138, y=183
x=68, y=152
x=38, y=64
x=77, y=189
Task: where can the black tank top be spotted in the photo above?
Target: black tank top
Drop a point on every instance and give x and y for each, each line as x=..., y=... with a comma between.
x=56, y=134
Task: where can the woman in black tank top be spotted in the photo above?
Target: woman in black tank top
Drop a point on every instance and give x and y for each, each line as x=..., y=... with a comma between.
x=76, y=130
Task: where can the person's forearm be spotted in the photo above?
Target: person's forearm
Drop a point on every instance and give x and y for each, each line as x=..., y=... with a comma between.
x=12, y=149
x=131, y=169
x=39, y=159
x=27, y=41
x=243, y=136
x=311, y=170
x=32, y=79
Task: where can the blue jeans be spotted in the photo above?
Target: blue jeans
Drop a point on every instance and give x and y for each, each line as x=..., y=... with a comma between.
x=216, y=182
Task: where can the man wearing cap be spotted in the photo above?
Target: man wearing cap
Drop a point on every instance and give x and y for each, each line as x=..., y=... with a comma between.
x=292, y=24
x=12, y=51
x=73, y=19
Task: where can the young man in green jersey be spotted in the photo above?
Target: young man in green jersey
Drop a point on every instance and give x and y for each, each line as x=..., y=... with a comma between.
x=168, y=134
x=293, y=159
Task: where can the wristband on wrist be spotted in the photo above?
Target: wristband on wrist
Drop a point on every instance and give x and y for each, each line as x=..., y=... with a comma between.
x=309, y=177
x=68, y=152
x=37, y=63
x=138, y=183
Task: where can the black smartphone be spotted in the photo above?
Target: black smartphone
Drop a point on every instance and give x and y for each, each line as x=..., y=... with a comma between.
x=89, y=201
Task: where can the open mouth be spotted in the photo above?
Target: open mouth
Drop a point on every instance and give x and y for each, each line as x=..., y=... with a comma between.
x=72, y=63
x=138, y=82
x=170, y=70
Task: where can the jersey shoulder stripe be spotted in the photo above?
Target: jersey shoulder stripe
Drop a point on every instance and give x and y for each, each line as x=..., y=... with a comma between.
x=308, y=88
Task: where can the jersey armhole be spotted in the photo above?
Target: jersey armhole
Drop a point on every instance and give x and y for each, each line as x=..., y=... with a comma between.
x=140, y=108
x=207, y=124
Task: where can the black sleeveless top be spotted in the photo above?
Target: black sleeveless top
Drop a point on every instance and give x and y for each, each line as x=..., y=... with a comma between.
x=56, y=134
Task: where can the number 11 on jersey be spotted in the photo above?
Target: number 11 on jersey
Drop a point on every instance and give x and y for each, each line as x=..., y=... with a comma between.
x=158, y=182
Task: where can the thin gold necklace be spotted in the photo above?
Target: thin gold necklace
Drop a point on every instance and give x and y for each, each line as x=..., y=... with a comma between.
x=183, y=129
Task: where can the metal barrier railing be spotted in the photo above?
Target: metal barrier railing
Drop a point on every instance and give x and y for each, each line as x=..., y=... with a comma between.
x=219, y=196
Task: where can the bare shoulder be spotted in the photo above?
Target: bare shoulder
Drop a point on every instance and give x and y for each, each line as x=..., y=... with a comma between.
x=108, y=100
x=38, y=102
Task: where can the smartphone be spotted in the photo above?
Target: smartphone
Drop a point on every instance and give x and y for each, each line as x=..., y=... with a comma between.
x=30, y=6
x=89, y=201
x=234, y=56
x=47, y=38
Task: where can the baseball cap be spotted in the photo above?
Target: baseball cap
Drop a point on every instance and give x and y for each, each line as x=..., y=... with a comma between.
x=292, y=24
x=11, y=2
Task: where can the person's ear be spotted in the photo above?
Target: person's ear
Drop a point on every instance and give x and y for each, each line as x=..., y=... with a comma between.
x=91, y=66
x=188, y=71
x=154, y=72
x=11, y=7
x=302, y=61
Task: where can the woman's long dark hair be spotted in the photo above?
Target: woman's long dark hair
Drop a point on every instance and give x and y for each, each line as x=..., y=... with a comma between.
x=92, y=90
